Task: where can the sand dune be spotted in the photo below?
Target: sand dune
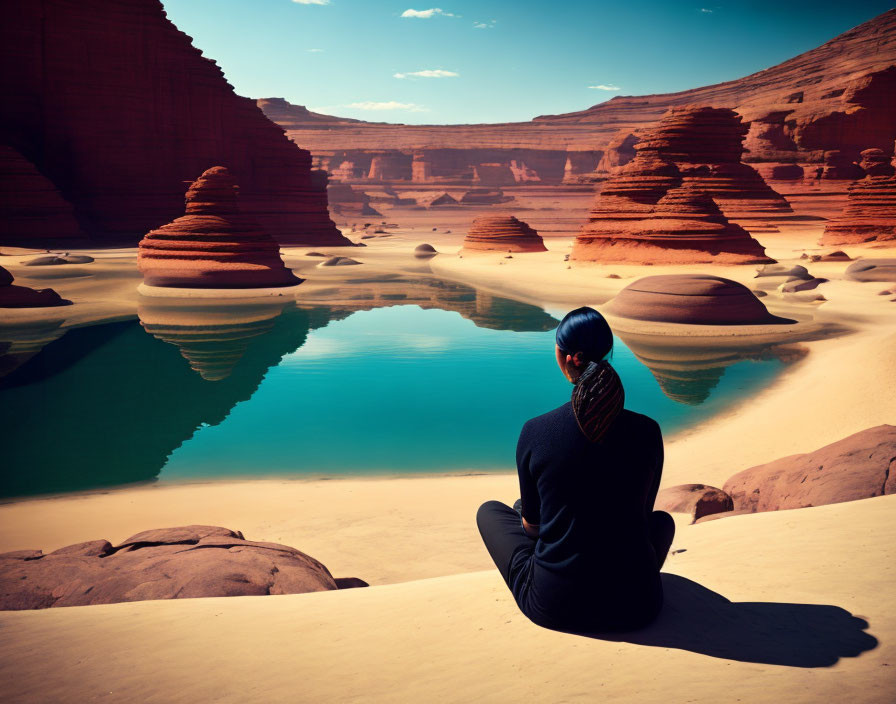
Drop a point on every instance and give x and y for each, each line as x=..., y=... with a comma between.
x=768, y=607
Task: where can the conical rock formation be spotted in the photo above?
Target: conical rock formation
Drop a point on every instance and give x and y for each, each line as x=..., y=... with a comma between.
x=214, y=245
x=502, y=233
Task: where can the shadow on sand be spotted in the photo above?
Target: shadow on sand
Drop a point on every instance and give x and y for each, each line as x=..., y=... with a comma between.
x=775, y=633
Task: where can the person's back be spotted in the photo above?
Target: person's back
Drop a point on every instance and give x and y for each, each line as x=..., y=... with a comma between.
x=585, y=549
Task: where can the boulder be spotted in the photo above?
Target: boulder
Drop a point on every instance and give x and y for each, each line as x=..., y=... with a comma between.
x=169, y=563
x=23, y=297
x=424, y=251
x=860, y=466
x=698, y=500
x=872, y=270
x=695, y=299
x=339, y=261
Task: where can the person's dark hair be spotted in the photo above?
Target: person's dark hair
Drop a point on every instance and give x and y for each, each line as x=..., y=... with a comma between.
x=585, y=330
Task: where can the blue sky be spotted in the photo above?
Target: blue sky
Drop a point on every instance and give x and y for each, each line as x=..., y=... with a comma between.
x=461, y=61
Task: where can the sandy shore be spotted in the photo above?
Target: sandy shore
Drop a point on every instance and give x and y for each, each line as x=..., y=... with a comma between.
x=438, y=624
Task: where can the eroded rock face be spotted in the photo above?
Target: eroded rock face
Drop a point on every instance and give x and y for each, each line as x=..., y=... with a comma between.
x=502, y=233
x=31, y=207
x=23, y=297
x=696, y=299
x=857, y=467
x=117, y=109
x=214, y=245
x=870, y=212
x=698, y=500
x=169, y=563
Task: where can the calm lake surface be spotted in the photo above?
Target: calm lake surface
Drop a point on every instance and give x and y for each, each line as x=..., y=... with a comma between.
x=437, y=381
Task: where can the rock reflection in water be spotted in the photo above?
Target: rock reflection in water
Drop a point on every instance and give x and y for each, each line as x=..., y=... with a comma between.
x=21, y=341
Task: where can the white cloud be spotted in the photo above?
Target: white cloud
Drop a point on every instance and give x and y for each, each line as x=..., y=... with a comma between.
x=485, y=25
x=386, y=105
x=428, y=73
x=314, y=51
x=312, y=2
x=427, y=14
x=605, y=86
x=704, y=9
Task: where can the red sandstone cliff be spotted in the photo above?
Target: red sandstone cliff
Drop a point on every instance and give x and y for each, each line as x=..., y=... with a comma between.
x=116, y=108
x=839, y=96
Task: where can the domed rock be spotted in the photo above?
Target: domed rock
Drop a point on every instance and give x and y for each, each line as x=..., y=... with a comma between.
x=685, y=225
x=502, y=233
x=424, y=251
x=856, y=467
x=870, y=211
x=339, y=261
x=23, y=297
x=695, y=299
x=58, y=259
x=214, y=245
x=872, y=270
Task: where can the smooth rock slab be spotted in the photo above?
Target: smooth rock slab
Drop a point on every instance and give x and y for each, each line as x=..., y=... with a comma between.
x=872, y=270
x=698, y=500
x=857, y=467
x=167, y=563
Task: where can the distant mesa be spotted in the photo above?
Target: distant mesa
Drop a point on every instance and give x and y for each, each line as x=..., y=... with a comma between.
x=684, y=226
x=214, y=245
x=870, y=212
x=872, y=270
x=211, y=339
x=693, y=299
x=502, y=232
x=485, y=196
x=167, y=563
x=12, y=296
x=339, y=261
x=857, y=467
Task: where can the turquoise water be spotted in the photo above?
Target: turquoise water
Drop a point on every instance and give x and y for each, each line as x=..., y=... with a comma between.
x=319, y=391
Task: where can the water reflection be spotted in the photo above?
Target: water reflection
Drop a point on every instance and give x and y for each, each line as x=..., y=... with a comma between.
x=21, y=341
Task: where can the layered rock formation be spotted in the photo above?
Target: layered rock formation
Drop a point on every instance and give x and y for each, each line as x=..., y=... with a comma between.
x=214, y=245
x=31, y=207
x=870, y=212
x=115, y=107
x=502, y=232
x=166, y=563
x=695, y=299
x=834, y=97
x=23, y=297
x=685, y=225
x=857, y=467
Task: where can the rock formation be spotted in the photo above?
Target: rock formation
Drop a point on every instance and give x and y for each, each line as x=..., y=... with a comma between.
x=23, y=297
x=484, y=196
x=502, y=233
x=214, y=245
x=840, y=166
x=31, y=207
x=166, y=563
x=115, y=107
x=695, y=299
x=834, y=97
x=857, y=467
x=425, y=251
x=698, y=500
x=870, y=212
x=684, y=226
x=872, y=270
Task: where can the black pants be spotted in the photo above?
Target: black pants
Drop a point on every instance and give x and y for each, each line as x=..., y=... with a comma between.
x=506, y=541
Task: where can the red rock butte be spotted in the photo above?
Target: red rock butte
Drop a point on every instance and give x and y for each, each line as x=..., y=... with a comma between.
x=502, y=232
x=112, y=104
x=685, y=226
x=23, y=297
x=870, y=212
x=214, y=245
x=694, y=299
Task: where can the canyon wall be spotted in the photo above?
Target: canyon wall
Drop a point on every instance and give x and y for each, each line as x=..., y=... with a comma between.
x=839, y=96
x=115, y=108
